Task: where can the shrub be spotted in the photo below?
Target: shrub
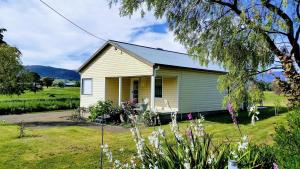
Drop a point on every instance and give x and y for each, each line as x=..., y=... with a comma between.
x=101, y=108
x=287, y=142
x=192, y=150
x=115, y=114
x=150, y=118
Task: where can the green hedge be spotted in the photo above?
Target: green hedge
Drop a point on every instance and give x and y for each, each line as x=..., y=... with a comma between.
x=17, y=106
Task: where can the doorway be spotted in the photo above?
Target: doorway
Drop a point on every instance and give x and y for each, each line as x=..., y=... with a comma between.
x=135, y=89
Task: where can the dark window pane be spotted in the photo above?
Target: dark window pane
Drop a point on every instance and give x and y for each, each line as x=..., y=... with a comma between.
x=158, y=87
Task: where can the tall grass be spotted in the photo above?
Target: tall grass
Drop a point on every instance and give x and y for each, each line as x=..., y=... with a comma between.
x=46, y=100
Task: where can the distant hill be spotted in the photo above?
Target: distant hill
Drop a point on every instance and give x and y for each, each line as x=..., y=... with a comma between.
x=269, y=77
x=57, y=73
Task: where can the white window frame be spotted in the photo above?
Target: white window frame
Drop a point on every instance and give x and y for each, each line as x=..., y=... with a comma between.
x=162, y=86
x=82, y=86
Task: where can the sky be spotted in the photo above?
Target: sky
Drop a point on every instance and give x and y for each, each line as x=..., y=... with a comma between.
x=45, y=38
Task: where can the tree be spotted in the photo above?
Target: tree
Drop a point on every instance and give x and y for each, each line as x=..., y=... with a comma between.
x=77, y=83
x=61, y=84
x=12, y=74
x=47, y=81
x=35, y=82
x=245, y=37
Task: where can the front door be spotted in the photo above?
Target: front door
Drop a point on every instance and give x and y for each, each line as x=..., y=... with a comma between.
x=135, y=90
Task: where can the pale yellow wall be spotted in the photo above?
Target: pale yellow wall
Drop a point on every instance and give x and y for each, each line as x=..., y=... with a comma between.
x=112, y=89
x=110, y=63
x=169, y=92
x=197, y=90
x=145, y=89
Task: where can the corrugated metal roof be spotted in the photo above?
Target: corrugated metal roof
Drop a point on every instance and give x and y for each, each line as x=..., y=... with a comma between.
x=165, y=57
x=157, y=56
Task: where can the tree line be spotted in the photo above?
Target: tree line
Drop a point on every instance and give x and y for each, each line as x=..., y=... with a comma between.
x=14, y=78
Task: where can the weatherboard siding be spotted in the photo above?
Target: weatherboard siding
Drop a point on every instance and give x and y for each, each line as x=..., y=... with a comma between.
x=197, y=90
x=110, y=63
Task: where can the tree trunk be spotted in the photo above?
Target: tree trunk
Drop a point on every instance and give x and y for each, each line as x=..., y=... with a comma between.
x=291, y=87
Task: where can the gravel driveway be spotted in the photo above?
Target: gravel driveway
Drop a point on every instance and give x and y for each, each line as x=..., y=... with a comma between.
x=54, y=118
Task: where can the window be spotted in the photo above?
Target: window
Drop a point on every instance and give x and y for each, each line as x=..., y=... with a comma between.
x=86, y=86
x=158, y=87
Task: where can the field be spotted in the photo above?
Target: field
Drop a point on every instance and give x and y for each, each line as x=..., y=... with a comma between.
x=48, y=99
x=78, y=147
x=271, y=98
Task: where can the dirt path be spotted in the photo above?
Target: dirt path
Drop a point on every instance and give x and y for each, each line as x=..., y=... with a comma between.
x=54, y=118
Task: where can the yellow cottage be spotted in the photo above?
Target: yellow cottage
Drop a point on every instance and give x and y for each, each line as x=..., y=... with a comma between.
x=170, y=81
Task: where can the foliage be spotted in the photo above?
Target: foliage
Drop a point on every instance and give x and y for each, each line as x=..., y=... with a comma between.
x=245, y=37
x=101, y=108
x=264, y=86
x=277, y=105
x=77, y=83
x=47, y=81
x=61, y=84
x=35, y=82
x=287, y=142
x=1, y=36
x=35, y=105
x=193, y=150
x=67, y=98
x=150, y=118
x=78, y=146
x=12, y=74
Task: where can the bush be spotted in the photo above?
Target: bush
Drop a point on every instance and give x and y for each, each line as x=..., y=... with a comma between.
x=192, y=150
x=287, y=142
x=101, y=108
x=150, y=118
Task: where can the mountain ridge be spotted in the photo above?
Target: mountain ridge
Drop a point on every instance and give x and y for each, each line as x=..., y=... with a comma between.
x=53, y=72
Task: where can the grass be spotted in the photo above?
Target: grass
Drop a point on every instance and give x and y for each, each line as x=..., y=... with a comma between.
x=78, y=147
x=271, y=98
x=48, y=99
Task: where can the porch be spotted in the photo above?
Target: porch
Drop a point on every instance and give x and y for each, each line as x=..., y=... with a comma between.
x=160, y=93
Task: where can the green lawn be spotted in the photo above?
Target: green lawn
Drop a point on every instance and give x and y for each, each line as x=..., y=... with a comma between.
x=271, y=98
x=78, y=147
x=48, y=99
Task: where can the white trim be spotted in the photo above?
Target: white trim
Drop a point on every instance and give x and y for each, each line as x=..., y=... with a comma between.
x=82, y=86
x=120, y=91
x=152, y=93
x=178, y=88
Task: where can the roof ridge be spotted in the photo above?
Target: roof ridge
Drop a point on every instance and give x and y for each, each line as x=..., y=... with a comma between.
x=148, y=47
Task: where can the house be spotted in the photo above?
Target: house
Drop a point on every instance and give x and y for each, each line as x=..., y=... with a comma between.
x=171, y=81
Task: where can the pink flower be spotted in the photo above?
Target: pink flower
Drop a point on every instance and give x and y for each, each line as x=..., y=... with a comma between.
x=275, y=166
x=190, y=116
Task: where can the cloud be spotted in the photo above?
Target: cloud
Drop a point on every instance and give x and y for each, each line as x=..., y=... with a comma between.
x=45, y=38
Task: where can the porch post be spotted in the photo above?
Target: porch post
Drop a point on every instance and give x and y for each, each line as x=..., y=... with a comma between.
x=120, y=90
x=152, y=100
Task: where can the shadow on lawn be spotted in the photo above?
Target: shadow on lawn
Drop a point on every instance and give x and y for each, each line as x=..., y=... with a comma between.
x=243, y=116
x=57, y=123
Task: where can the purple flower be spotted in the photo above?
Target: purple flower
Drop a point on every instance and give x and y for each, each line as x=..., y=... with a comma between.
x=190, y=116
x=232, y=113
x=275, y=166
x=189, y=133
